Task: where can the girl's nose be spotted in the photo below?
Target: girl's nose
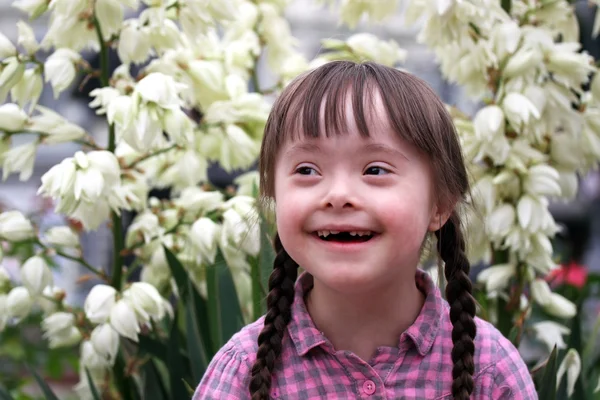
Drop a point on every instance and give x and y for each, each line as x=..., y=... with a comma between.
x=340, y=195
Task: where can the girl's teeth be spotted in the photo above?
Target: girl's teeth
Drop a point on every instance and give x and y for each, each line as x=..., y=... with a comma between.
x=334, y=232
x=353, y=233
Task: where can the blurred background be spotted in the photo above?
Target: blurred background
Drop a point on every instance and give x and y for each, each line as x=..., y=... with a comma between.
x=580, y=241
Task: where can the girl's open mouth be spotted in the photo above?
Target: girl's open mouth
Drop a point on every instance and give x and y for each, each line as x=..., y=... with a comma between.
x=345, y=237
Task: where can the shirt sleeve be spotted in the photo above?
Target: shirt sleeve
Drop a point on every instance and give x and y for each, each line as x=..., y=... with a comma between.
x=227, y=377
x=512, y=380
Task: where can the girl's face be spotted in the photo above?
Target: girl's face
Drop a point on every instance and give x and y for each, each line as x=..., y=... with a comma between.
x=377, y=190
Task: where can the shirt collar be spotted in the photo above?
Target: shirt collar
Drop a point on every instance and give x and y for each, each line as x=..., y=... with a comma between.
x=422, y=332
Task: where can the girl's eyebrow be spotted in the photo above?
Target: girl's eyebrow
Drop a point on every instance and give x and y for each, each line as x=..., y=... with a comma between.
x=383, y=148
x=305, y=147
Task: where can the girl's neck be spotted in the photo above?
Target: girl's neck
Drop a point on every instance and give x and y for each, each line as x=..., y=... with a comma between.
x=362, y=323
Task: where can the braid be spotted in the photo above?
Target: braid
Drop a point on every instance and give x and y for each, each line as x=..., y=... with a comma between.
x=462, y=306
x=279, y=313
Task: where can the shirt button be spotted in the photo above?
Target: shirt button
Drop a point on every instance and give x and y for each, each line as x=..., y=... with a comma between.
x=369, y=387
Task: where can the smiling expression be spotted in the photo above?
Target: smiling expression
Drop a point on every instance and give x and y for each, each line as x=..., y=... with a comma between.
x=354, y=210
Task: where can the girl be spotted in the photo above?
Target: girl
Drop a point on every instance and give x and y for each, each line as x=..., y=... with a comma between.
x=362, y=163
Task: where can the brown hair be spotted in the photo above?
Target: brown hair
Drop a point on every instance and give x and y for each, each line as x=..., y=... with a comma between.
x=416, y=114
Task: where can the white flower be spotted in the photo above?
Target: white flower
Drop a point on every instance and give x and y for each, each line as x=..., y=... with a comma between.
x=553, y=303
x=571, y=364
x=90, y=358
x=204, y=235
x=62, y=236
x=351, y=11
x=11, y=74
x=20, y=159
x=110, y=16
x=551, y=333
x=489, y=122
x=242, y=230
x=519, y=109
x=134, y=42
x=12, y=118
x=36, y=275
x=99, y=303
x=522, y=62
x=27, y=38
x=542, y=180
x=7, y=49
x=105, y=341
x=497, y=277
x=18, y=302
x=50, y=292
x=247, y=183
x=124, y=321
x=15, y=227
x=159, y=89
x=60, y=331
x=369, y=46
x=145, y=300
x=500, y=221
x=34, y=8
x=56, y=128
x=28, y=89
x=59, y=69
x=194, y=200
x=85, y=186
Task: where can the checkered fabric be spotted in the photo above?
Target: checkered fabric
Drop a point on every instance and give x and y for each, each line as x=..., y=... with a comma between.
x=419, y=368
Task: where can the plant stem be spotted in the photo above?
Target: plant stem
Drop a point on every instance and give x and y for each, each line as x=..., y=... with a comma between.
x=117, y=231
x=81, y=261
x=150, y=155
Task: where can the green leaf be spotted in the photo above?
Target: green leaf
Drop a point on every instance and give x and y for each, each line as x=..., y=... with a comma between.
x=507, y=5
x=92, y=385
x=4, y=395
x=224, y=313
x=178, y=272
x=175, y=364
x=547, y=388
x=196, y=343
x=48, y=393
x=266, y=258
x=154, y=385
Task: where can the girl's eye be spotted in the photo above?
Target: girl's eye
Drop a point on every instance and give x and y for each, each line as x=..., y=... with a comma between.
x=375, y=170
x=304, y=170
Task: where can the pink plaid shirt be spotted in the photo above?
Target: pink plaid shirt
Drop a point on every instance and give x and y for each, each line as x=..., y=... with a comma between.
x=419, y=368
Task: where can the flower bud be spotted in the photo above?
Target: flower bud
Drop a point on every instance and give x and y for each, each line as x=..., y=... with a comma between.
x=571, y=364
x=60, y=331
x=14, y=227
x=105, y=341
x=124, y=321
x=18, y=302
x=99, y=303
x=496, y=277
x=12, y=118
x=36, y=275
x=205, y=235
x=62, y=236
